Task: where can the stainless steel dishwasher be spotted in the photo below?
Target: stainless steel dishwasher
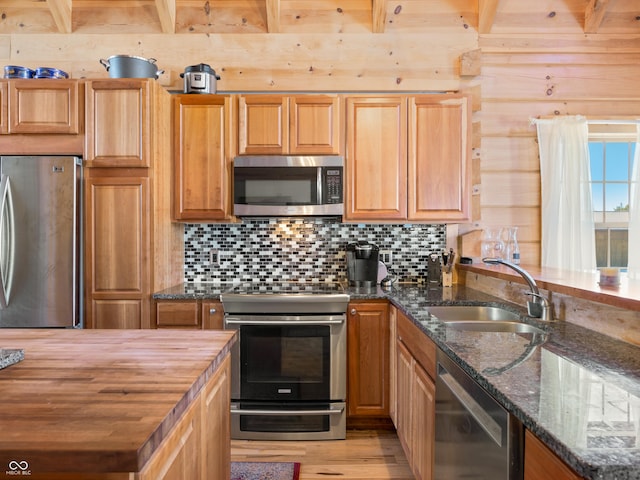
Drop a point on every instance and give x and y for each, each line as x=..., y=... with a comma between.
x=476, y=438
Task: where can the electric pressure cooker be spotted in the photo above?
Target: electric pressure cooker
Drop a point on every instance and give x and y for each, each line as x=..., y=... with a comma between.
x=199, y=78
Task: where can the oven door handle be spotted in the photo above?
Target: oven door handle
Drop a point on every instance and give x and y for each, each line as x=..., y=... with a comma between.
x=329, y=411
x=233, y=321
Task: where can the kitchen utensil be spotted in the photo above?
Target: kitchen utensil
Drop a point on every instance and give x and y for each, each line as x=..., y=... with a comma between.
x=129, y=66
x=199, y=78
x=15, y=71
x=46, y=72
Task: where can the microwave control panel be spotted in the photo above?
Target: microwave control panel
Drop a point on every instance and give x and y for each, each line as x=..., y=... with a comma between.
x=333, y=183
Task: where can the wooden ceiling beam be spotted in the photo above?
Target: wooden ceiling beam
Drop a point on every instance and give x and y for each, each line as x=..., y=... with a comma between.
x=486, y=14
x=61, y=13
x=594, y=14
x=378, y=15
x=167, y=14
x=273, y=16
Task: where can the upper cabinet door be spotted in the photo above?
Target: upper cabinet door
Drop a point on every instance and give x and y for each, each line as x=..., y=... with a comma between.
x=43, y=106
x=201, y=158
x=376, y=160
x=286, y=125
x=4, y=105
x=263, y=125
x=118, y=121
x=439, y=178
x=314, y=125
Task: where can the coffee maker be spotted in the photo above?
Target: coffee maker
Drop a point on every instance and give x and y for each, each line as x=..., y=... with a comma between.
x=362, y=264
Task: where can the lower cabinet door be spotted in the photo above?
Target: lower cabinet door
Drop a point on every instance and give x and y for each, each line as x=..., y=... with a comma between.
x=117, y=246
x=423, y=423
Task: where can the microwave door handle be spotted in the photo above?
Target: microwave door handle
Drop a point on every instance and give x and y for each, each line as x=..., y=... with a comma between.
x=319, y=189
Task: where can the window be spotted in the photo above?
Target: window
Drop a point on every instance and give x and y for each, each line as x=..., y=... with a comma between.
x=611, y=151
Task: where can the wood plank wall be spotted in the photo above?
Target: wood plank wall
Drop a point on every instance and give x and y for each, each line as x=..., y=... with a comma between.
x=530, y=59
x=526, y=76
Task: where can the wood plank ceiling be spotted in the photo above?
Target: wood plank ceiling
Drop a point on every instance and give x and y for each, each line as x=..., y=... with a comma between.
x=247, y=16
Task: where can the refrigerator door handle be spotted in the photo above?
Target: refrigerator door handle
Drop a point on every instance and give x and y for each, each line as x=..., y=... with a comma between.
x=7, y=241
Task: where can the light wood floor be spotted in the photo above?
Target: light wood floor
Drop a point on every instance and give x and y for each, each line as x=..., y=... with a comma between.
x=364, y=455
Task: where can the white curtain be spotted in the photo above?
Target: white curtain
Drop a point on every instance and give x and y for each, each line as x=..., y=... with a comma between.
x=568, y=236
x=634, y=214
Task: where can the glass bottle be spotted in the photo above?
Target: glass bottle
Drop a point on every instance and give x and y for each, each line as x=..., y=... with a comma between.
x=512, y=247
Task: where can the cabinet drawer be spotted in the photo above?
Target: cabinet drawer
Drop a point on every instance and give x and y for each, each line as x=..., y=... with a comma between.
x=177, y=314
x=420, y=346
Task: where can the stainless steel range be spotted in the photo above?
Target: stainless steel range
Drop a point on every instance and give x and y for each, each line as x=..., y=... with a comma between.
x=288, y=373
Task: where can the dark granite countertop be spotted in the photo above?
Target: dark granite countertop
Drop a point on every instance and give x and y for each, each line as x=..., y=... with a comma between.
x=193, y=291
x=579, y=392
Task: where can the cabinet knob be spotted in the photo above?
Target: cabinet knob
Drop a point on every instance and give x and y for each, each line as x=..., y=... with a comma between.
x=353, y=311
x=212, y=311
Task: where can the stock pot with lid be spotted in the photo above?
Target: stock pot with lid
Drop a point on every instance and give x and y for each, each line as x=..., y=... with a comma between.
x=129, y=66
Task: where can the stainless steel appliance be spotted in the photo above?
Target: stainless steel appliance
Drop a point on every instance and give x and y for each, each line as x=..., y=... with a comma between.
x=362, y=264
x=476, y=438
x=288, y=372
x=273, y=185
x=40, y=228
x=200, y=78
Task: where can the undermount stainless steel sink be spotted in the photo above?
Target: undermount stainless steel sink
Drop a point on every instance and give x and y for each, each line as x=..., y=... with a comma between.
x=493, y=326
x=472, y=313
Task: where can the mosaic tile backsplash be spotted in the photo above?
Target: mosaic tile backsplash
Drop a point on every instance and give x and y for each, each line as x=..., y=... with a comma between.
x=302, y=250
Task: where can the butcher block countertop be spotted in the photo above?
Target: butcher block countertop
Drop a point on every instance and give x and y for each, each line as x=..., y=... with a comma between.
x=99, y=400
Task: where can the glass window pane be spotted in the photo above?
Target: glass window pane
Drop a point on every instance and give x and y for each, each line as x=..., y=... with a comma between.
x=617, y=161
x=619, y=248
x=596, y=160
x=616, y=197
x=597, y=197
x=601, y=248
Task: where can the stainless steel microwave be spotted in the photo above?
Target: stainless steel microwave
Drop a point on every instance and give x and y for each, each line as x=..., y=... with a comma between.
x=275, y=185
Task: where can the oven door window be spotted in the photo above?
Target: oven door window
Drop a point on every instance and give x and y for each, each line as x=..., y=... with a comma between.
x=287, y=363
x=275, y=186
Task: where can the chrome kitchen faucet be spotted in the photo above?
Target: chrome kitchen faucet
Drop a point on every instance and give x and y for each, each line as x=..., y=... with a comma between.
x=539, y=306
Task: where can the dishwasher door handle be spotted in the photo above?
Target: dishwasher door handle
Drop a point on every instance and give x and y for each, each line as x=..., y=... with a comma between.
x=488, y=424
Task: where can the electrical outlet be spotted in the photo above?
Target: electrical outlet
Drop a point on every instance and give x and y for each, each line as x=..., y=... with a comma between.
x=214, y=257
x=386, y=257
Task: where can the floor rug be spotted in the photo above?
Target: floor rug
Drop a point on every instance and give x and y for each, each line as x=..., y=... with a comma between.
x=265, y=470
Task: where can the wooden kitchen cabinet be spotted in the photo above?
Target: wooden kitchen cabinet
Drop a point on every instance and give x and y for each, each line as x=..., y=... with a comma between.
x=439, y=172
x=119, y=122
x=376, y=158
x=44, y=106
x=198, y=447
x=296, y=125
x=116, y=245
x=415, y=401
x=130, y=238
x=190, y=314
x=202, y=159
x=540, y=463
x=408, y=158
x=212, y=315
x=368, y=359
x=4, y=106
x=178, y=314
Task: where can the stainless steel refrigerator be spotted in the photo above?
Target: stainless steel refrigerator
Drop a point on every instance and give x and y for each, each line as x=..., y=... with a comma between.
x=40, y=241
